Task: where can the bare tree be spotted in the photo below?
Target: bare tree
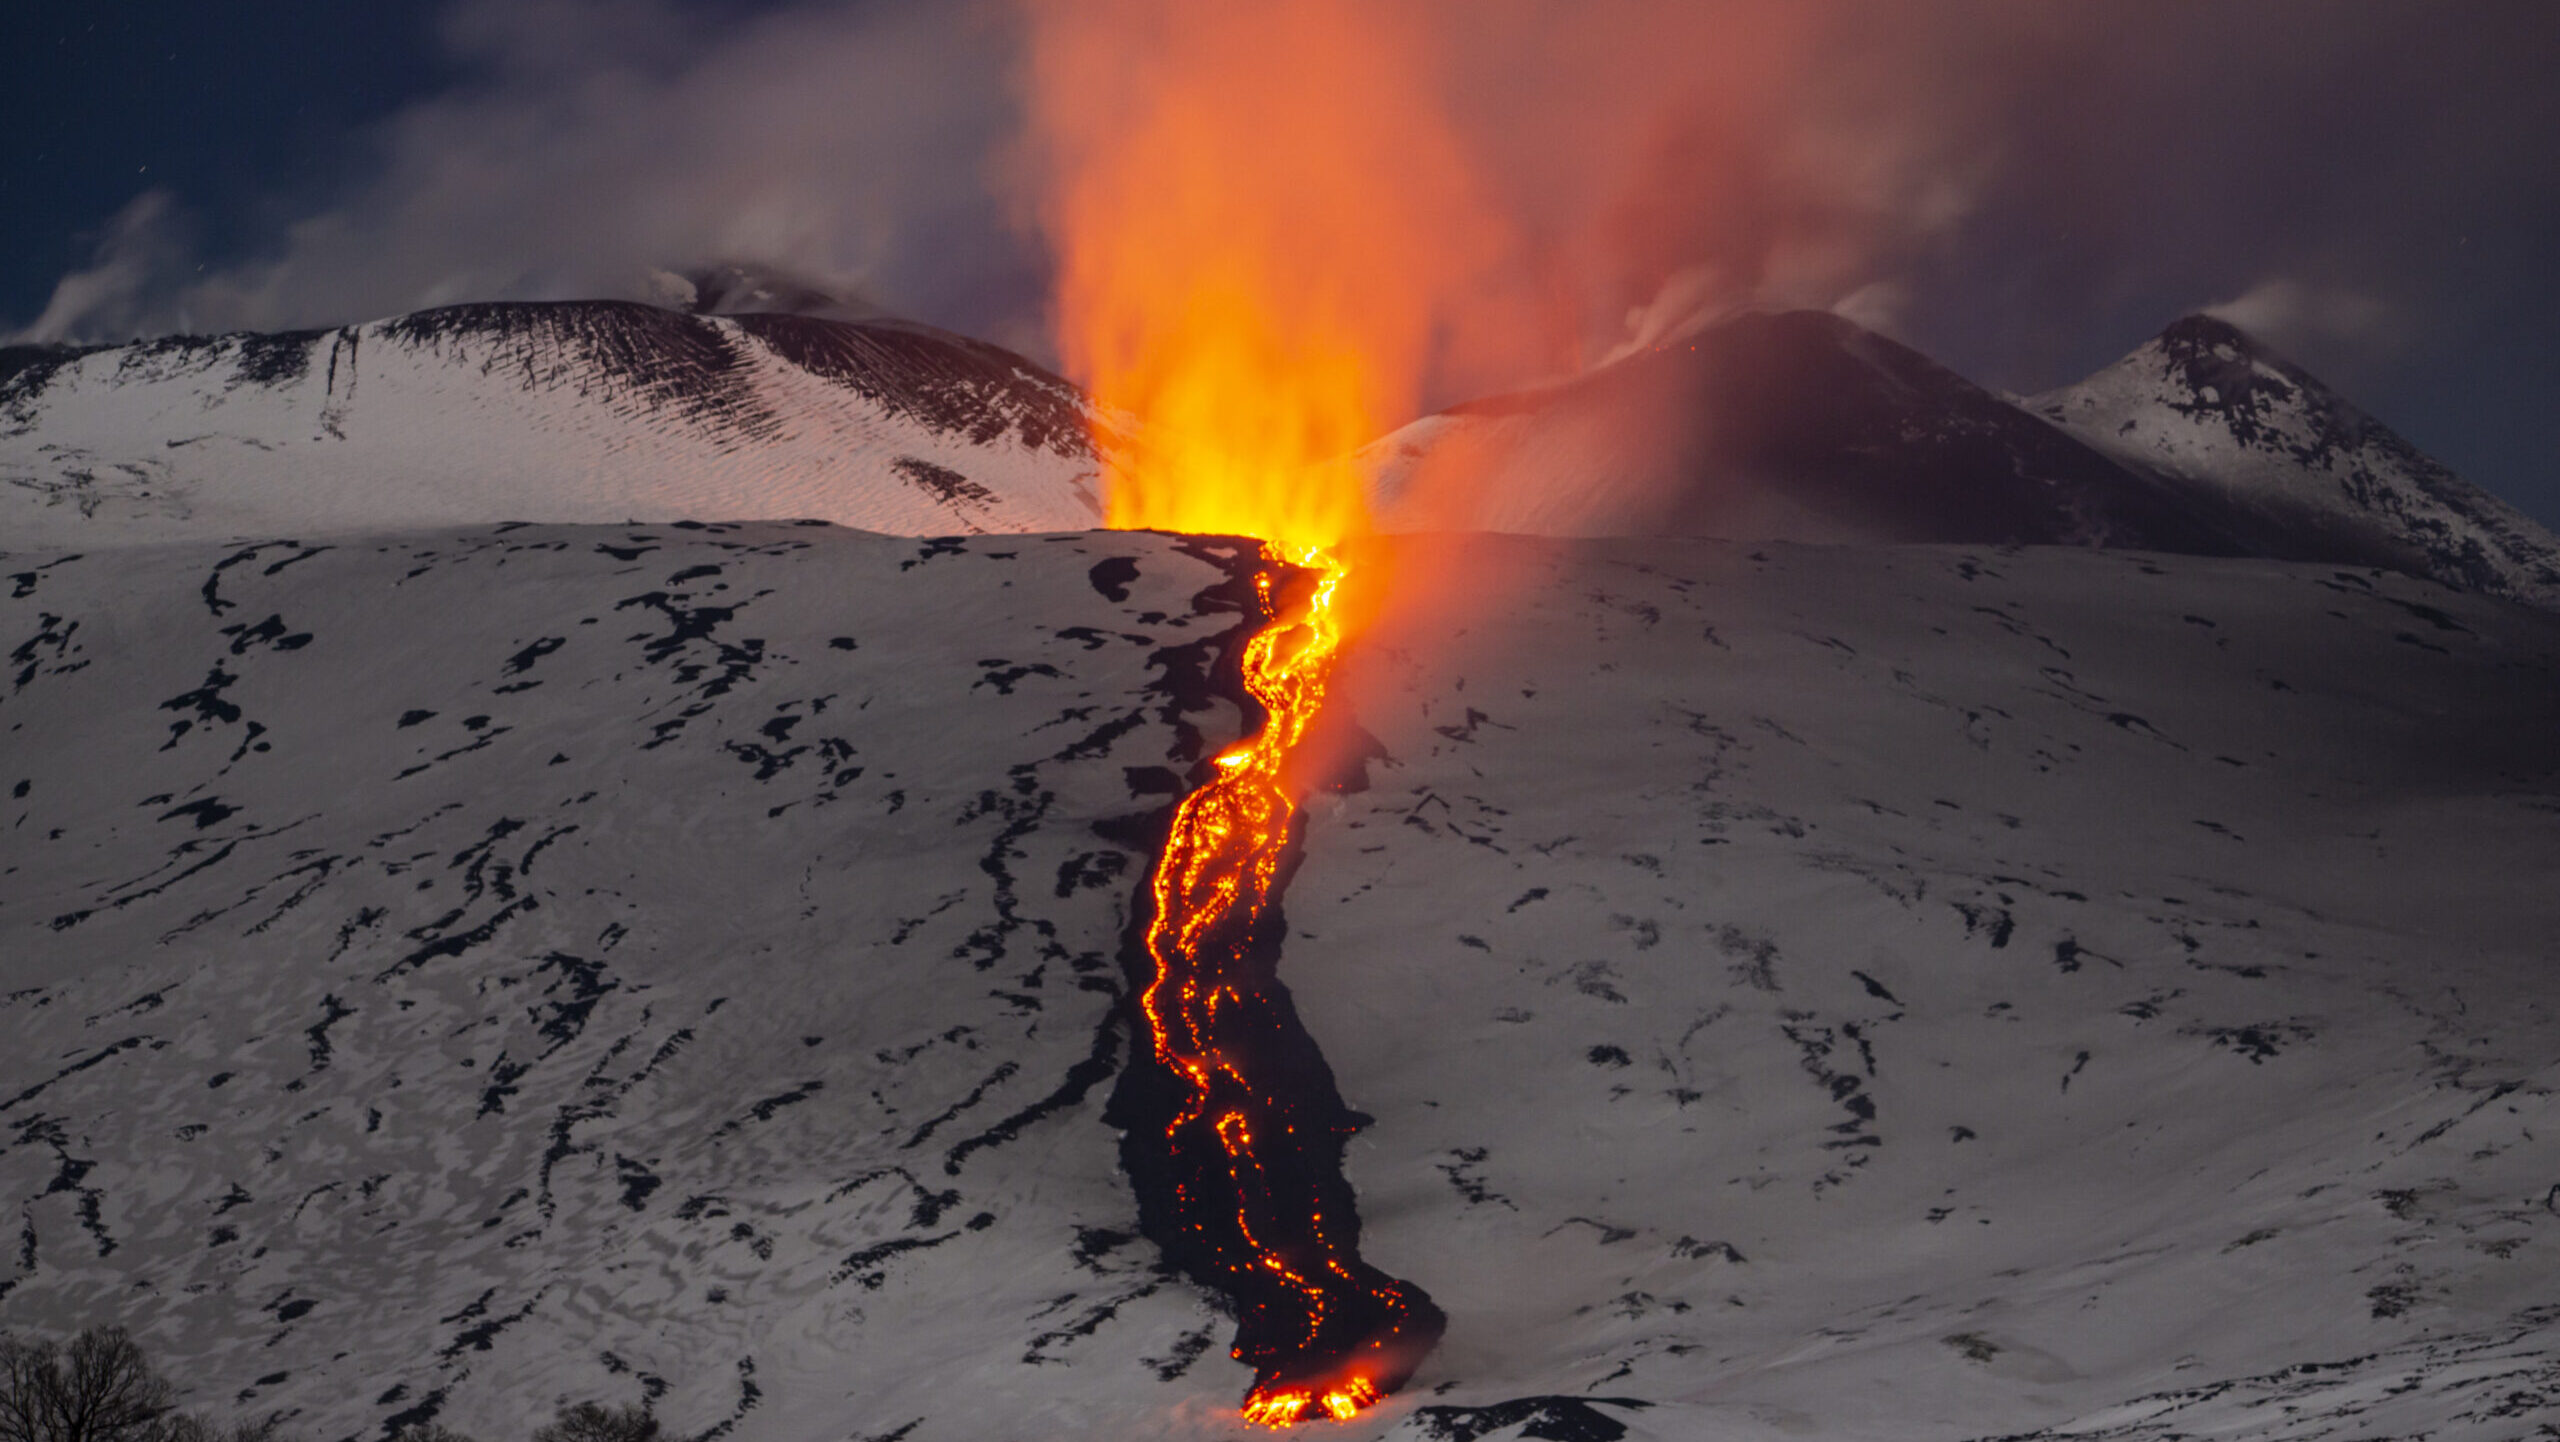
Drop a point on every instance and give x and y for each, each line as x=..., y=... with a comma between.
x=428, y=1432
x=25, y=1371
x=98, y=1389
x=594, y=1422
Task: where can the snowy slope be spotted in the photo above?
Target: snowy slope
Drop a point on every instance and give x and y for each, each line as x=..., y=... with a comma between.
x=468, y=972
x=2209, y=405
x=1859, y=992
x=579, y=411
x=1929, y=993
x=1802, y=426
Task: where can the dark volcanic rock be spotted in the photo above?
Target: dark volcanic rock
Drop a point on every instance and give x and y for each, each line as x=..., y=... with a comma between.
x=947, y=382
x=649, y=359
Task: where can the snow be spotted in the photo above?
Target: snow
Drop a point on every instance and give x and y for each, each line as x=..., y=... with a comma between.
x=1813, y=991
x=2223, y=890
x=1796, y=426
x=592, y=412
x=435, y=1069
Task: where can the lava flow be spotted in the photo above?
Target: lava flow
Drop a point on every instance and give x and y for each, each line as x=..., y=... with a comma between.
x=1253, y=1148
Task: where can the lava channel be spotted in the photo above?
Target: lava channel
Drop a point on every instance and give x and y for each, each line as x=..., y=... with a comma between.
x=1234, y=1135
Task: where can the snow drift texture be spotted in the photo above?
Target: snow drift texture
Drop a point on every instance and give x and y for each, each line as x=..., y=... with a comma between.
x=1838, y=991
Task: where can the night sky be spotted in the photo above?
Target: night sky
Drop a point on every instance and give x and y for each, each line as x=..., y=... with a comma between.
x=246, y=112
x=2024, y=191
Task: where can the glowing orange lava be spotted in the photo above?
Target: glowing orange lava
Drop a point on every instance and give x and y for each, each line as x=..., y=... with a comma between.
x=1217, y=874
x=1295, y=1404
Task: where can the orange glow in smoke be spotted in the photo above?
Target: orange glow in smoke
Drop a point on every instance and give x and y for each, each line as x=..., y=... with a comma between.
x=1257, y=211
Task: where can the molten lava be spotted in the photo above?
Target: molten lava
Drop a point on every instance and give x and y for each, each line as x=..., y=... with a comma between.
x=1257, y=1160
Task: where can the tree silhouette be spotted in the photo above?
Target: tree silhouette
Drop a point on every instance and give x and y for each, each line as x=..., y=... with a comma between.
x=594, y=1422
x=100, y=1388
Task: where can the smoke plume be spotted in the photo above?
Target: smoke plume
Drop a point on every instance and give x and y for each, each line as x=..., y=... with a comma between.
x=2024, y=189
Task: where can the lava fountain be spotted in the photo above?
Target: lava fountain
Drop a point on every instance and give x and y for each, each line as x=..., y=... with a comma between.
x=1252, y=208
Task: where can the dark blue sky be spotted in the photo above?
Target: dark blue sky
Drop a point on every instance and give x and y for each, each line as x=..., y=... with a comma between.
x=240, y=109
x=2398, y=164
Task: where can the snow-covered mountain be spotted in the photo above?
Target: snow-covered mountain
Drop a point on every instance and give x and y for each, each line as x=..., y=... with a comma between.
x=1801, y=425
x=576, y=411
x=1796, y=425
x=2217, y=411
x=1857, y=991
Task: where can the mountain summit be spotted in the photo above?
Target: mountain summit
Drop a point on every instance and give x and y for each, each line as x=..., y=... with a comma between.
x=1794, y=425
x=2210, y=409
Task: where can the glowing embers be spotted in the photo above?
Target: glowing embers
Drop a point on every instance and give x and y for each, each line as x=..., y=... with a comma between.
x=1236, y=1134
x=1341, y=1402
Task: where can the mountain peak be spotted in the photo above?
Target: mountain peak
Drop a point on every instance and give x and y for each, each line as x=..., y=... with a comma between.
x=755, y=288
x=2208, y=408
x=2226, y=372
x=2205, y=331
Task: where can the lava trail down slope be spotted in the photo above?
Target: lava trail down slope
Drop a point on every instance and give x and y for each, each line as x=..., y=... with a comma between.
x=1235, y=1131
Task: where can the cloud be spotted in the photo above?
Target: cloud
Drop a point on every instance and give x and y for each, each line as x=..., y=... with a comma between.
x=1877, y=305
x=2292, y=315
x=125, y=284
x=597, y=143
x=1635, y=148
x=1688, y=299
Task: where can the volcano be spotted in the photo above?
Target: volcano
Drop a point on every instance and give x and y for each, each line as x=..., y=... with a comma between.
x=2220, y=417
x=1802, y=426
x=1977, y=982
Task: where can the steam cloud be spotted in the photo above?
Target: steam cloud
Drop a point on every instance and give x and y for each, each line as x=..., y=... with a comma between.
x=603, y=143
x=2026, y=188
